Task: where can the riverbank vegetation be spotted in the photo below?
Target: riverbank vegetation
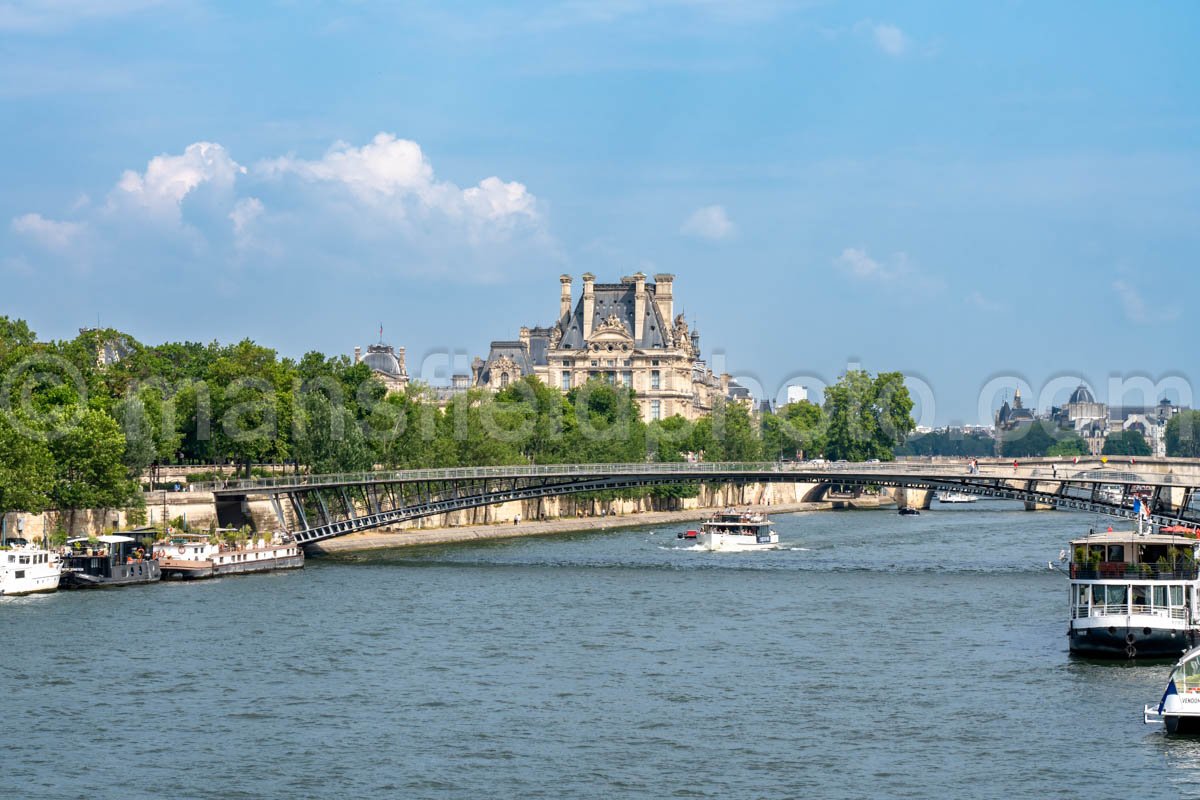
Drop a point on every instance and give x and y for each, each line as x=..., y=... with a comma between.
x=83, y=420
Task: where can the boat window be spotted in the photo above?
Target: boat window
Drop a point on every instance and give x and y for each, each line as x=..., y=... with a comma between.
x=1141, y=594
x=1160, y=596
x=1116, y=552
x=1176, y=595
x=1081, y=594
x=1109, y=595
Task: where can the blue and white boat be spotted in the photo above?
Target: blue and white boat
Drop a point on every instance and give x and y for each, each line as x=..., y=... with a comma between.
x=1179, y=709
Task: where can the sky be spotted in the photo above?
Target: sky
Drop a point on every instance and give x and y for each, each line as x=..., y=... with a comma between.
x=982, y=196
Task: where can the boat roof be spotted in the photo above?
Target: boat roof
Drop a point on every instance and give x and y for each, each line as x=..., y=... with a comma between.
x=1124, y=537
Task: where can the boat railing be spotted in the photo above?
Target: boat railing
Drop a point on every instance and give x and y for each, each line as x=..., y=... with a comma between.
x=1126, y=609
x=1109, y=570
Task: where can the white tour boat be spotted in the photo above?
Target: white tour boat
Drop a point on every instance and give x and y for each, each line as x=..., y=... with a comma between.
x=734, y=531
x=1134, y=593
x=956, y=497
x=190, y=556
x=1179, y=709
x=28, y=569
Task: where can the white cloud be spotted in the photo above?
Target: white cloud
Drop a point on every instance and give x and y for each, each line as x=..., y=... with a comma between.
x=856, y=262
x=49, y=233
x=984, y=302
x=897, y=272
x=890, y=39
x=378, y=207
x=161, y=189
x=709, y=222
x=40, y=16
x=393, y=176
x=1137, y=310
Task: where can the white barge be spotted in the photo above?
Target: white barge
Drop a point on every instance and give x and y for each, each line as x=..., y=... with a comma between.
x=1134, y=595
x=1179, y=709
x=194, y=556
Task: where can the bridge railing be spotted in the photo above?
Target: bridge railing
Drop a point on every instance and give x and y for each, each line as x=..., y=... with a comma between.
x=824, y=471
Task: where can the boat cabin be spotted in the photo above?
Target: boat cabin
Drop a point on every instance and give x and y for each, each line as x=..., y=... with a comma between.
x=98, y=555
x=1123, y=572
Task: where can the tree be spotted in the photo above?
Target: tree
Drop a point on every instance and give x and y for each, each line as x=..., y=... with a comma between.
x=1183, y=435
x=1068, y=446
x=88, y=460
x=794, y=431
x=328, y=437
x=26, y=469
x=736, y=432
x=1126, y=443
x=868, y=417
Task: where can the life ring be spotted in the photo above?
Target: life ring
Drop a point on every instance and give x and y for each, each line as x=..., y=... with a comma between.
x=182, y=550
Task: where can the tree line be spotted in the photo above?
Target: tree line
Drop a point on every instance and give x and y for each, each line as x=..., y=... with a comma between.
x=76, y=433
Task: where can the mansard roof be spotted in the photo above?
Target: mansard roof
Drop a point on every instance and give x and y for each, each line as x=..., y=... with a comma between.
x=513, y=351
x=616, y=299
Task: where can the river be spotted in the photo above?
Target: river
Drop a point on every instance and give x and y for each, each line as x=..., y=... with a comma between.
x=874, y=656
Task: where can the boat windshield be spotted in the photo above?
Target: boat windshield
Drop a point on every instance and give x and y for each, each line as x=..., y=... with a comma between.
x=1187, y=677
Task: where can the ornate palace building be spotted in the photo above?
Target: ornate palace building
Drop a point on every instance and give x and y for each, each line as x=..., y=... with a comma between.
x=626, y=333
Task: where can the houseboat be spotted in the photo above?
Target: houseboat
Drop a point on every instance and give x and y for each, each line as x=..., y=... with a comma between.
x=955, y=497
x=737, y=531
x=193, y=556
x=1134, y=593
x=1179, y=709
x=27, y=569
x=113, y=560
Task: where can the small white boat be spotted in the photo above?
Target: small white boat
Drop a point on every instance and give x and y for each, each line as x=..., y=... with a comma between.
x=956, y=497
x=737, y=531
x=28, y=569
x=1179, y=709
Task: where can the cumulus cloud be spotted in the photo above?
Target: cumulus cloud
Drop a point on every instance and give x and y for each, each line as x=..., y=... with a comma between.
x=375, y=207
x=984, y=302
x=161, y=189
x=855, y=262
x=709, y=222
x=392, y=175
x=50, y=234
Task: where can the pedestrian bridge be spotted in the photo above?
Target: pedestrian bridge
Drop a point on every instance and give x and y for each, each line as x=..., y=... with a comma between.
x=318, y=507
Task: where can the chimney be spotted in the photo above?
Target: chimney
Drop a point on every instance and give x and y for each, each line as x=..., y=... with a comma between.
x=357, y=355
x=639, y=306
x=400, y=358
x=664, y=299
x=589, y=303
x=524, y=336
x=564, y=303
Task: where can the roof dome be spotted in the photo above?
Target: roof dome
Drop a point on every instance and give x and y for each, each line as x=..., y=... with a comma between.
x=1082, y=395
x=381, y=358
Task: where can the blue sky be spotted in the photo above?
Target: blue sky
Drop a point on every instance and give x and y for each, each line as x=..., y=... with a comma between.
x=974, y=194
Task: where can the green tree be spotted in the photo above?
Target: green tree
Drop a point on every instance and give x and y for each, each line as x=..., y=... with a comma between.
x=796, y=430
x=1183, y=435
x=88, y=461
x=868, y=417
x=1126, y=443
x=26, y=468
x=736, y=432
x=328, y=437
x=1068, y=446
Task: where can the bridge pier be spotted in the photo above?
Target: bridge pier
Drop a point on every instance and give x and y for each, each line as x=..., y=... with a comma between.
x=916, y=498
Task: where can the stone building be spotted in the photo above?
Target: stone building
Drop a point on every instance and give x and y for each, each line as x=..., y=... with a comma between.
x=626, y=333
x=387, y=364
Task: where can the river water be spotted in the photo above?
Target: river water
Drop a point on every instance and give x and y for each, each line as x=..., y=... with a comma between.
x=874, y=656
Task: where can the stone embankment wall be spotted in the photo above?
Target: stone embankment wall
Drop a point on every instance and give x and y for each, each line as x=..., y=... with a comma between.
x=199, y=510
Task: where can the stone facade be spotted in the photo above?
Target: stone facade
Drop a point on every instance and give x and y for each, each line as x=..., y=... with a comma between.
x=626, y=333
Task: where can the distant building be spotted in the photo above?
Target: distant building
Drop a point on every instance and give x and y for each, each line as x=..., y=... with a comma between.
x=1011, y=417
x=797, y=394
x=111, y=346
x=386, y=363
x=626, y=333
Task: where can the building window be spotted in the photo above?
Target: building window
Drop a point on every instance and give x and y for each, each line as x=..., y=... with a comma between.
x=566, y=380
x=654, y=362
x=610, y=363
x=655, y=409
x=504, y=379
x=595, y=363
x=627, y=363
x=655, y=380
x=610, y=377
x=627, y=378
